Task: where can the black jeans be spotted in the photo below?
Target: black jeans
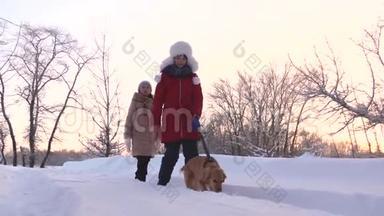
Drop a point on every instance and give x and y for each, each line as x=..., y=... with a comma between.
x=142, y=167
x=171, y=156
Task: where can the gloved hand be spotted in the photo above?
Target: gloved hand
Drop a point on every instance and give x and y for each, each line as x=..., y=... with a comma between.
x=128, y=143
x=195, y=123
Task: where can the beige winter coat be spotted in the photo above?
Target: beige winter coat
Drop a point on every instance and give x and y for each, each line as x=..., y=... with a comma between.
x=139, y=126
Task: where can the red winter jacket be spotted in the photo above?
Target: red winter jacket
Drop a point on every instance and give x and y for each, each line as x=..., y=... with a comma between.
x=176, y=101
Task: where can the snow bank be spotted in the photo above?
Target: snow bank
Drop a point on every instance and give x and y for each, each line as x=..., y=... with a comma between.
x=100, y=165
x=27, y=192
x=255, y=186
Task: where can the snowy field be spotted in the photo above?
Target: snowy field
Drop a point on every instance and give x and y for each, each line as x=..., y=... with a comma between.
x=254, y=186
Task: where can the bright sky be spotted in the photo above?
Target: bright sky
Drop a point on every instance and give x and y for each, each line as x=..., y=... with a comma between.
x=270, y=29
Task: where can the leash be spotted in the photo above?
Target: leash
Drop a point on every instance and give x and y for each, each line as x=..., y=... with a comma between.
x=209, y=157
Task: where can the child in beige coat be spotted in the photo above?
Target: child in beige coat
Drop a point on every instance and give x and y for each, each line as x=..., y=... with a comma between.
x=138, y=132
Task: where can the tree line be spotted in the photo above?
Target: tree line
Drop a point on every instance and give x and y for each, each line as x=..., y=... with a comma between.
x=258, y=115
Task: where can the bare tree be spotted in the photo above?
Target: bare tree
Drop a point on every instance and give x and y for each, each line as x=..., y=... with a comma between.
x=215, y=133
x=326, y=80
x=38, y=62
x=24, y=152
x=275, y=102
x=366, y=136
x=312, y=143
x=378, y=149
x=231, y=103
x=5, y=77
x=79, y=60
x=334, y=151
x=299, y=120
x=45, y=57
x=256, y=115
x=3, y=136
x=105, y=112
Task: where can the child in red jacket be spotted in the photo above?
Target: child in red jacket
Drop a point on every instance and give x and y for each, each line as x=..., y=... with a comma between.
x=177, y=107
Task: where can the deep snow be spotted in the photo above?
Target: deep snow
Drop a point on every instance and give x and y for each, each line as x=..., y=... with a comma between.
x=255, y=186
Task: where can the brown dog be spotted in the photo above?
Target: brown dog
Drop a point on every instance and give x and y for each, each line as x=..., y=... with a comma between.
x=202, y=174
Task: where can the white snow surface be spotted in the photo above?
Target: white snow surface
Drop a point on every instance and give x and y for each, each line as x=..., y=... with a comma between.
x=254, y=186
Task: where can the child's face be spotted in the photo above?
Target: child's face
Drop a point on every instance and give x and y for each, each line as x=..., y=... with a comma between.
x=145, y=89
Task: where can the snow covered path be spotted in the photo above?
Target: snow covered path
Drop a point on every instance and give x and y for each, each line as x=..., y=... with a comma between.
x=255, y=186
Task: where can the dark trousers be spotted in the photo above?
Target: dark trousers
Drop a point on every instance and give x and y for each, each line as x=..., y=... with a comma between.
x=171, y=156
x=142, y=167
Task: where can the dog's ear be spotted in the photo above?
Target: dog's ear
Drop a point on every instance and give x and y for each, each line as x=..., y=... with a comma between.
x=205, y=163
x=206, y=174
x=224, y=176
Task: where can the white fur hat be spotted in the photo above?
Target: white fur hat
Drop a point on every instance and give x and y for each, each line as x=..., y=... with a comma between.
x=180, y=48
